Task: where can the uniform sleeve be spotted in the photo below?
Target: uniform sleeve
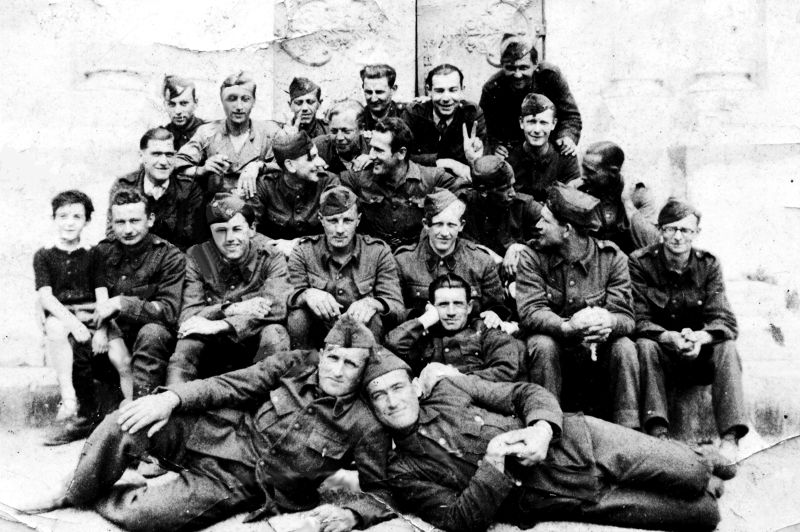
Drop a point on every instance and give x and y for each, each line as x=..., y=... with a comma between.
x=534, y=312
x=371, y=458
x=194, y=296
x=242, y=388
x=298, y=274
x=570, y=170
x=387, y=286
x=406, y=341
x=194, y=152
x=643, y=232
x=645, y=326
x=618, y=296
x=719, y=320
x=196, y=228
x=165, y=304
x=445, y=179
x=569, y=118
x=493, y=296
x=471, y=510
x=97, y=267
x=490, y=112
x=41, y=271
x=502, y=354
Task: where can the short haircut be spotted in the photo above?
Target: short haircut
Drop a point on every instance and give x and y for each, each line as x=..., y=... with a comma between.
x=130, y=196
x=379, y=71
x=239, y=78
x=443, y=69
x=401, y=133
x=347, y=104
x=611, y=155
x=157, y=133
x=73, y=197
x=174, y=86
x=514, y=51
x=448, y=280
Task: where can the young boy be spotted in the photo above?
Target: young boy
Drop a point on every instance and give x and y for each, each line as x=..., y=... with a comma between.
x=64, y=276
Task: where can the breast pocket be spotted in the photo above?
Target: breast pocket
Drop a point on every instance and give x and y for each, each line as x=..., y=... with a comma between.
x=365, y=286
x=325, y=449
x=554, y=296
x=656, y=297
x=320, y=283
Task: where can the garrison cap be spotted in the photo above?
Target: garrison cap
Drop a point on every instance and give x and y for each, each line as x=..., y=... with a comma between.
x=535, y=103
x=675, y=210
x=336, y=199
x=491, y=171
x=291, y=146
x=514, y=47
x=437, y=201
x=301, y=86
x=571, y=205
x=380, y=363
x=347, y=332
x=223, y=207
x=174, y=86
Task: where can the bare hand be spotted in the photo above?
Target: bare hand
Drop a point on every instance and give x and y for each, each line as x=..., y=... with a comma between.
x=216, y=164
x=511, y=260
x=510, y=327
x=149, y=411
x=200, y=326
x=334, y=519
x=248, y=178
x=675, y=341
x=501, y=151
x=100, y=341
x=531, y=443
x=105, y=310
x=363, y=309
x=491, y=319
x=285, y=246
x=361, y=162
x=430, y=317
x=473, y=145
x=433, y=373
x=322, y=304
x=257, y=306
x=567, y=146
x=457, y=168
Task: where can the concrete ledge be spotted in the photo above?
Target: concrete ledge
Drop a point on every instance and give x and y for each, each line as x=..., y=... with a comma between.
x=28, y=396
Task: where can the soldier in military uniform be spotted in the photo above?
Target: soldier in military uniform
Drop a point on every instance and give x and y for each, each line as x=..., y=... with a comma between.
x=176, y=200
x=287, y=201
x=442, y=251
x=234, y=297
x=180, y=100
x=144, y=275
x=378, y=84
x=685, y=327
x=498, y=216
x=574, y=301
x=305, y=97
x=537, y=162
x=392, y=190
x=341, y=273
x=345, y=147
x=230, y=154
x=449, y=332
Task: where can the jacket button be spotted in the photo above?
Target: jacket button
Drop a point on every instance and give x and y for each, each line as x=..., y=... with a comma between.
x=297, y=426
x=261, y=463
x=446, y=349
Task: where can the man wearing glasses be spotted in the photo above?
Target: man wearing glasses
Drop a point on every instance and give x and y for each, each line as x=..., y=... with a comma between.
x=685, y=327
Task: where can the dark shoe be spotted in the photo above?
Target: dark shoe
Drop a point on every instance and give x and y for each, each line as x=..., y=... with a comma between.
x=150, y=468
x=720, y=466
x=69, y=430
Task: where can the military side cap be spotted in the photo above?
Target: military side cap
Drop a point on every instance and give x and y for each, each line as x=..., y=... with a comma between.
x=174, y=86
x=380, y=363
x=301, y=86
x=291, y=146
x=535, y=103
x=675, y=210
x=347, y=332
x=336, y=199
x=571, y=205
x=491, y=171
x=437, y=201
x=514, y=48
x=223, y=207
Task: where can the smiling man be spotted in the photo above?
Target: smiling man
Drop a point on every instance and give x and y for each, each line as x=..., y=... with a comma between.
x=345, y=147
x=685, y=326
x=448, y=332
x=438, y=124
x=469, y=452
x=441, y=251
x=392, y=190
x=305, y=97
x=341, y=273
x=176, y=200
x=144, y=277
x=259, y=439
x=521, y=74
x=234, y=297
x=230, y=154
x=180, y=101
x=378, y=85
x=538, y=163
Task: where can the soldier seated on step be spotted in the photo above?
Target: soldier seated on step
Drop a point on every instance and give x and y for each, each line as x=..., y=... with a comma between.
x=685, y=327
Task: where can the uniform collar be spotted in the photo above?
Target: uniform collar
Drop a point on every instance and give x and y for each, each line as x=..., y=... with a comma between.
x=431, y=258
x=250, y=130
x=540, y=161
x=585, y=260
x=245, y=267
x=325, y=252
x=692, y=266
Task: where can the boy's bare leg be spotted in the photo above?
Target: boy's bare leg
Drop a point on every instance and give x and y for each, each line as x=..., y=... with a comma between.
x=59, y=357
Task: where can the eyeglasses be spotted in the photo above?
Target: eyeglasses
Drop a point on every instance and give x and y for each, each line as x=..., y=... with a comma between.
x=670, y=231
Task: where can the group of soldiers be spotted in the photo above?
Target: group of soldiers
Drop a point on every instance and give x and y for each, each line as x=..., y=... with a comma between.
x=411, y=290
